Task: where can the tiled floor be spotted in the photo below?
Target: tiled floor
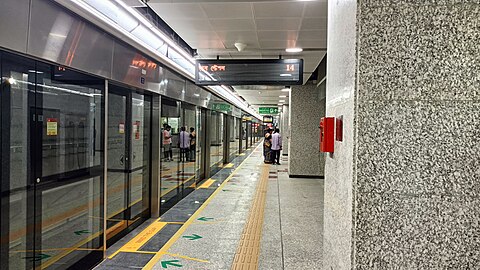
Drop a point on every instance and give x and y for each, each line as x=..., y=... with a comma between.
x=204, y=230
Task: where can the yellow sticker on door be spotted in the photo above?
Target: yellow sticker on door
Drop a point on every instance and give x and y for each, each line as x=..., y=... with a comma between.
x=52, y=127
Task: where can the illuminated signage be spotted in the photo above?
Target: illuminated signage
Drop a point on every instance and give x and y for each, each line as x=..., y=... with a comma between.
x=144, y=64
x=268, y=110
x=268, y=119
x=249, y=72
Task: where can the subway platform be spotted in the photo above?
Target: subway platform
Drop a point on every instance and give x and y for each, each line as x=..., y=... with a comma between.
x=249, y=215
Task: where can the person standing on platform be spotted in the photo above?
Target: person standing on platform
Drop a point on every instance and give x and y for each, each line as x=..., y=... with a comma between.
x=267, y=147
x=167, y=144
x=184, y=144
x=193, y=144
x=276, y=146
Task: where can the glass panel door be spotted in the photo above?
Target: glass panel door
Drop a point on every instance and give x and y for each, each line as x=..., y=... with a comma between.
x=117, y=149
x=69, y=192
x=170, y=164
x=129, y=139
x=52, y=165
x=188, y=146
x=140, y=139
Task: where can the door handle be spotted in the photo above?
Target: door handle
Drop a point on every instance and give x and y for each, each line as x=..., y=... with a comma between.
x=121, y=160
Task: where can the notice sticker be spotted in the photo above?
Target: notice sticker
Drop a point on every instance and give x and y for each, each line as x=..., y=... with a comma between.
x=52, y=127
x=121, y=128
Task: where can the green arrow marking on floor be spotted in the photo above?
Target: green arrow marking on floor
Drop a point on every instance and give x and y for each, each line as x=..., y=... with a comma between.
x=37, y=258
x=205, y=218
x=165, y=264
x=81, y=232
x=193, y=237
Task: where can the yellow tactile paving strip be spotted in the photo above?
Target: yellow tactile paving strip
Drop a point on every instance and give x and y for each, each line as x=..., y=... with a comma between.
x=248, y=251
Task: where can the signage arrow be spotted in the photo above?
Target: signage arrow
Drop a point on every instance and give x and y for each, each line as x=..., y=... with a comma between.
x=81, y=232
x=165, y=264
x=205, y=218
x=38, y=257
x=192, y=237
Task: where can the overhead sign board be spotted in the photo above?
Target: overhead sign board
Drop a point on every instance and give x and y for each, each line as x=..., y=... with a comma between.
x=249, y=72
x=222, y=107
x=268, y=119
x=268, y=110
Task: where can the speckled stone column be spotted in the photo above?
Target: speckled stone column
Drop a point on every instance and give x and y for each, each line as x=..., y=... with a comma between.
x=284, y=127
x=402, y=189
x=306, y=109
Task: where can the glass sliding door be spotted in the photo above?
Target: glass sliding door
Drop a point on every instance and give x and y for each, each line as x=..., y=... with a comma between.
x=188, y=165
x=171, y=171
x=200, y=158
x=216, y=141
x=52, y=148
x=128, y=169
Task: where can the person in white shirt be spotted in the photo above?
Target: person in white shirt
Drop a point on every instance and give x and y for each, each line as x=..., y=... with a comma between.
x=167, y=144
x=276, y=146
x=184, y=141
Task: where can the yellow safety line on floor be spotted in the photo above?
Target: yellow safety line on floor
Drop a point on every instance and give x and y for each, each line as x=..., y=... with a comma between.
x=229, y=165
x=56, y=258
x=248, y=251
x=207, y=183
x=192, y=218
x=140, y=239
x=186, y=257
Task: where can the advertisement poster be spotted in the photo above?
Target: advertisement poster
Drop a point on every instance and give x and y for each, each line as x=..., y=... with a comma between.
x=136, y=130
x=52, y=127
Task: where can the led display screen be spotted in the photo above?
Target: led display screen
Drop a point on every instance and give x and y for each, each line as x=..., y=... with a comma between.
x=249, y=72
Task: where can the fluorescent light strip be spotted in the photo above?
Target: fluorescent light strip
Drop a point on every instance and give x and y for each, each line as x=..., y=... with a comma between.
x=89, y=9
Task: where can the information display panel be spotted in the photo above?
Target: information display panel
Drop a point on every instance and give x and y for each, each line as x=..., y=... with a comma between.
x=249, y=72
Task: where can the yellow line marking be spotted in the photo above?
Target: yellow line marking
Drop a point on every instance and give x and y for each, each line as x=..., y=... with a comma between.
x=192, y=218
x=54, y=259
x=242, y=154
x=140, y=239
x=229, y=165
x=207, y=183
x=137, y=251
x=186, y=257
x=248, y=250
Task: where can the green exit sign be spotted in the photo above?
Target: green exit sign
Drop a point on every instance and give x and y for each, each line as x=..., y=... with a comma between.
x=268, y=110
x=222, y=107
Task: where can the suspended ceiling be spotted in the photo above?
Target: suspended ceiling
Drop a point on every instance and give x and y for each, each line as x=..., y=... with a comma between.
x=266, y=27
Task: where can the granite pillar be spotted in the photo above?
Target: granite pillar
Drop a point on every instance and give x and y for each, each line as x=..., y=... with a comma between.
x=402, y=188
x=285, y=127
x=306, y=109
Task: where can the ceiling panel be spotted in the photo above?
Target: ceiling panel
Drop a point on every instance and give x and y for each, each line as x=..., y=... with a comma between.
x=228, y=10
x=268, y=27
x=247, y=37
x=312, y=43
x=230, y=44
x=278, y=24
x=277, y=35
x=278, y=10
x=316, y=9
x=232, y=24
x=312, y=35
x=277, y=44
x=314, y=24
x=178, y=11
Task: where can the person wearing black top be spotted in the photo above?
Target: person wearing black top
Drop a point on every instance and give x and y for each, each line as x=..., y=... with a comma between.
x=267, y=145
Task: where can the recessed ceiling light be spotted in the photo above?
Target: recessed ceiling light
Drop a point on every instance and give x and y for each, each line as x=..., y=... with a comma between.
x=282, y=96
x=285, y=75
x=294, y=50
x=280, y=104
x=282, y=100
x=286, y=90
